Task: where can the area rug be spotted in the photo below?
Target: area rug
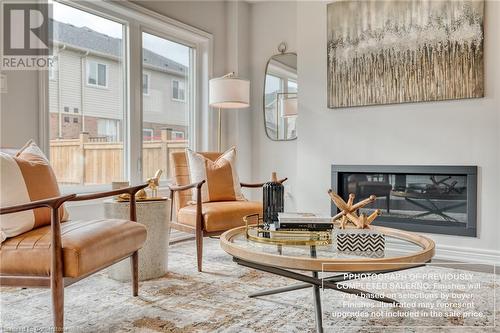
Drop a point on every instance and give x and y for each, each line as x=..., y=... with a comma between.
x=212, y=301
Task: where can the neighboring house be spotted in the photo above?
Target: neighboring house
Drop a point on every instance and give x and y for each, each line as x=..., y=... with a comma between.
x=86, y=88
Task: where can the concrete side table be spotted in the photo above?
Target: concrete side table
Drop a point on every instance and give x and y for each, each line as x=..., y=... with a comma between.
x=153, y=257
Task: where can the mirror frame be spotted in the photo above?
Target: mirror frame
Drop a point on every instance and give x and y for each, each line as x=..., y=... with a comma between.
x=264, y=98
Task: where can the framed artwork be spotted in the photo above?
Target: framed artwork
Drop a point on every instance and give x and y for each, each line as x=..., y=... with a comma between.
x=392, y=51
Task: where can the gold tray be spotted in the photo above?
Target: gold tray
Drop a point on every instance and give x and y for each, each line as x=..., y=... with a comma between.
x=257, y=233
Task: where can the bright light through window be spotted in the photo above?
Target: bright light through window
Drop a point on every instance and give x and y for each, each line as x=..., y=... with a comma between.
x=88, y=149
x=166, y=120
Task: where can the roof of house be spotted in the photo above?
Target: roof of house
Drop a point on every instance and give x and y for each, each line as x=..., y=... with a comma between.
x=92, y=40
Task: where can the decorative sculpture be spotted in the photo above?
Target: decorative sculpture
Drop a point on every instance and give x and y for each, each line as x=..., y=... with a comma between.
x=142, y=195
x=348, y=211
x=154, y=183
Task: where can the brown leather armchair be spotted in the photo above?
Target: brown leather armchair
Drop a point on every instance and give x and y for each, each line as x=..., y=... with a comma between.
x=208, y=218
x=60, y=254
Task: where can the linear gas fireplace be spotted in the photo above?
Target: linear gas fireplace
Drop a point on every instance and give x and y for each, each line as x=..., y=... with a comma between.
x=434, y=199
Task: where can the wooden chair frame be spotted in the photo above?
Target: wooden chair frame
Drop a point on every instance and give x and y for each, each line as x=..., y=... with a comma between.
x=56, y=281
x=198, y=230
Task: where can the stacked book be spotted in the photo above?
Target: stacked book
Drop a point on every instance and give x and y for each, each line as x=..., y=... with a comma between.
x=304, y=221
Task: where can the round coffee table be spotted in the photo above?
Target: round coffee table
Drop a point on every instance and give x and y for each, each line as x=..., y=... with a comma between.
x=403, y=250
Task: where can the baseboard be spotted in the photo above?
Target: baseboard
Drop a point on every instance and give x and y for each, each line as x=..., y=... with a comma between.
x=456, y=254
x=471, y=255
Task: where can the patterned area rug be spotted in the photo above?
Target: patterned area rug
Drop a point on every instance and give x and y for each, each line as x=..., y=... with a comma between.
x=213, y=301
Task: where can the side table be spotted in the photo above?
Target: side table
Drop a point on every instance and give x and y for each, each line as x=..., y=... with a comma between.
x=153, y=257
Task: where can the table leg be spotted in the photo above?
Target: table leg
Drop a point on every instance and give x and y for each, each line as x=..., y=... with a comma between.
x=317, y=297
x=296, y=286
x=317, y=305
x=280, y=290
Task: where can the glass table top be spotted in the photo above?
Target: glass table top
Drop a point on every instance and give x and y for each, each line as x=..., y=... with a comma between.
x=394, y=247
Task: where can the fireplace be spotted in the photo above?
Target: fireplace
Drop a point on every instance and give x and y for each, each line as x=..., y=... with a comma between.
x=433, y=199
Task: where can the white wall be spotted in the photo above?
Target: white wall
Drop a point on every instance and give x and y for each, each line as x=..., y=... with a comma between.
x=271, y=23
x=19, y=109
x=464, y=132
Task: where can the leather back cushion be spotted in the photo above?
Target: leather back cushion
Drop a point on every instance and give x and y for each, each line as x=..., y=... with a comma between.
x=222, y=181
x=178, y=161
x=27, y=176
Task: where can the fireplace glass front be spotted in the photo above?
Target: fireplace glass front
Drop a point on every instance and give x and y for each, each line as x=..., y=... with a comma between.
x=435, y=199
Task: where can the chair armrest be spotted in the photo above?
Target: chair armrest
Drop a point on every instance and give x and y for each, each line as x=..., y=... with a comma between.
x=130, y=190
x=53, y=203
x=260, y=184
x=175, y=188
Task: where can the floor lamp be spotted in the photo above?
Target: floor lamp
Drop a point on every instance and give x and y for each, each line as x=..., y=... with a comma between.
x=228, y=92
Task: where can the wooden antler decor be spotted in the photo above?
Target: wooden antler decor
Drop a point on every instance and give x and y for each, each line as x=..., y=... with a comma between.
x=348, y=211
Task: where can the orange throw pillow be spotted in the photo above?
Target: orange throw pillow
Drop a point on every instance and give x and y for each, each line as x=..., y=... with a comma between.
x=26, y=177
x=222, y=182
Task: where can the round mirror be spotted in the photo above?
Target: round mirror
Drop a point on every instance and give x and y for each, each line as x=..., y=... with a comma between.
x=280, y=97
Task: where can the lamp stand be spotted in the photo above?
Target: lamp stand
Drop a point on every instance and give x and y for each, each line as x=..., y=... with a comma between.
x=219, y=133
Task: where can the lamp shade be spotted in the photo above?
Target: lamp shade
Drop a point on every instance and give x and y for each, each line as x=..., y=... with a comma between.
x=290, y=107
x=229, y=93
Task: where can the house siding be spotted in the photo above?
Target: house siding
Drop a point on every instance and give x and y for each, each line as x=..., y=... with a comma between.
x=159, y=107
x=160, y=110
x=105, y=102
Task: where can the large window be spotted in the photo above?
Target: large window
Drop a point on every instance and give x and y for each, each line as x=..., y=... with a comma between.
x=95, y=134
x=89, y=149
x=166, y=122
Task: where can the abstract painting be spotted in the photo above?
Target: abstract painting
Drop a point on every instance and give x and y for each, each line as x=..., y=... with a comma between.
x=392, y=51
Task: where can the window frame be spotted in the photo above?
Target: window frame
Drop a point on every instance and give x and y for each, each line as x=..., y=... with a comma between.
x=137, y=19
x=87, y=73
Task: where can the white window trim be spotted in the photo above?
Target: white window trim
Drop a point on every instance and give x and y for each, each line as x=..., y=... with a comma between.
x=138, y=19
x=148, y=80
x=172, y=90
x=87, y=74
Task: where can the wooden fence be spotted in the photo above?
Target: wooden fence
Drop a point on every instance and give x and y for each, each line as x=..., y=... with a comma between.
x=87, y=161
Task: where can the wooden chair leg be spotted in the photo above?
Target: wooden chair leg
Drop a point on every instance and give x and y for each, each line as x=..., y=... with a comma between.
x=134, y=263
x=199, y=248
x=57, y=289
x=56, y=273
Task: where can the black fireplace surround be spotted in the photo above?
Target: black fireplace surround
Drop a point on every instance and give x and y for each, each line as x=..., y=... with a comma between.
x=433, y=199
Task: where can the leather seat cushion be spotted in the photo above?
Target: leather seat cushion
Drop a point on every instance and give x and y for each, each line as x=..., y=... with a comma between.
x=87, y=247
x=220, y=215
